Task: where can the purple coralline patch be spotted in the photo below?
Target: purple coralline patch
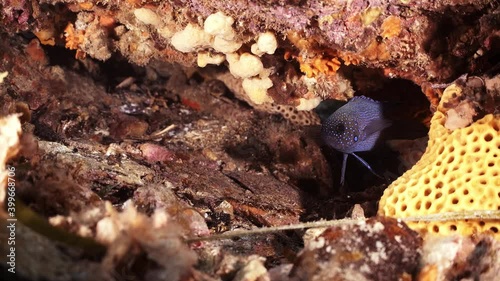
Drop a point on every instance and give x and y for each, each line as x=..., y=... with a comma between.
x=17, y=12
x=345, y=28
x=440, y=6
x=293, y=15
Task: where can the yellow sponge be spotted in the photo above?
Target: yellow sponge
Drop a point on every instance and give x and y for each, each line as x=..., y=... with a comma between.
x=460, y=170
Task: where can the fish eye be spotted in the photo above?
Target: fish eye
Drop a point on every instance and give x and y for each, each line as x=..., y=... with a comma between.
x=355, y=138
x=339, y=128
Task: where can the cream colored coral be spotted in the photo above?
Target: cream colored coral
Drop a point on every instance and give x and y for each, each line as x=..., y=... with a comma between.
x=256, y=89
x=219, y=25
x=147, y=16
x=190, y=38
x=266, y=44
x=3, y=75
x=10, y=131
x=308, y=104
x=460, y=170
x=205, y=58
x=218, y=33
x=225, y=46
x=244, y=66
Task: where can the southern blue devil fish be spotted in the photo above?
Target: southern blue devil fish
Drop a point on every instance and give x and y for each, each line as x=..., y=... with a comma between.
x=354, y=127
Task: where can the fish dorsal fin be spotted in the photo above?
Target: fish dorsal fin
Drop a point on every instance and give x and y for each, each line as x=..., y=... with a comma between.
x=376, y=125
x=363, y=99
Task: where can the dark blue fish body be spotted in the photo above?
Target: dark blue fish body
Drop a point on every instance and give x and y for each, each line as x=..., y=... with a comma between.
x=354, y=127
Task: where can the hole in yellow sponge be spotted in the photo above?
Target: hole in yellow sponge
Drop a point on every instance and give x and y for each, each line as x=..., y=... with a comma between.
x=451, y=159
x=495, y=127
x=435, y=228
x=488, y=137
x=428, y=205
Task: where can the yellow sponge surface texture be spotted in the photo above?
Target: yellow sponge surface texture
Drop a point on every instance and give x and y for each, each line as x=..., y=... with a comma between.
x=460, y=170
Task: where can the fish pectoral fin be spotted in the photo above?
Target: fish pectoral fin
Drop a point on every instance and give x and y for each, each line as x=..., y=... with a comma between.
x=366, y=165
x=375, y=125
x=342, y=172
